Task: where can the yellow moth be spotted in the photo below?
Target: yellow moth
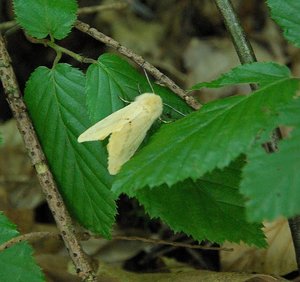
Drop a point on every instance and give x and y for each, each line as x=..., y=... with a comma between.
x=127, y=127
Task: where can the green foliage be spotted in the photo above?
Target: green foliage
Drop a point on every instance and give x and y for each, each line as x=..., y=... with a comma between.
x=55, y=99
x=286, y=14
x=113, y=79
x=41, y=18
x=209, y=208
x=207, y=139
x=271, y=181
x=16, y=262
x=1, y=139
x=261, y=73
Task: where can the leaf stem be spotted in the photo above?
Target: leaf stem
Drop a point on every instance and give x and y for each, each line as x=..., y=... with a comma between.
x=61, y=50
x=38, y=160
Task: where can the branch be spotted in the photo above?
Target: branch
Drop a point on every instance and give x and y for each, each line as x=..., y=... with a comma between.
x=31, y=237
x=139, y=60
x=84, y=236
x=38, y=160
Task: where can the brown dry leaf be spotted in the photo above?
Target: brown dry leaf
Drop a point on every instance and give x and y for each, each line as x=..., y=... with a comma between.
x=17, y=176
x=279, y=258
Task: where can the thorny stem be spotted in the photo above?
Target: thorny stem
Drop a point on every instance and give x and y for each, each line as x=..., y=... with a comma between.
x=38, y=160
x=246, y=55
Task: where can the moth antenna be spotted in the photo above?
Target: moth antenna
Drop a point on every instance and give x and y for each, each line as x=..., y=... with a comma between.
x=175, y=110
x=125, y=101
x=139, y=88
x=148, y=80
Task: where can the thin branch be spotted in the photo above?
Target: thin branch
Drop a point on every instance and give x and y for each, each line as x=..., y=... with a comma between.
x=246, y=55
x=30, y=237
x=84, y=236
x=81, y=11
x=60, y=49
x=168, y=243
x=139, y=60
x=100, y=8
x=38, y=160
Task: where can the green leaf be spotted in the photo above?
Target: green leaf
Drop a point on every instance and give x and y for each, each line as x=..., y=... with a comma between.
x=207, y=139
x=41, y=18
x=55, y=99
x=286, y=14
x=210, y=208
x=16, y=262
x=7, y=229
x=113, y=79
x=1, y=139
x=261, y=73
x=271, y=181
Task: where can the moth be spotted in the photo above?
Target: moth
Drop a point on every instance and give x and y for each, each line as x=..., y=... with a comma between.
x=127, y=128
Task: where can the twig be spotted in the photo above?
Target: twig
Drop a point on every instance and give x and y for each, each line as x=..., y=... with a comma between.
x=246, y=55
x=81, y=11
x=139, y=60
x=7, y=25
x=100, y=8
x=36, y=155
x=60, y=49
x=31, y=237
x=168, y=243
x=86, y=236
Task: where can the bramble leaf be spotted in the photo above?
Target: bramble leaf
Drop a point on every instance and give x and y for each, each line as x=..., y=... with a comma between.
x=16, y=262
x=55, y=99
x=41, y=18
x=286, y=14
x=209, y=209
x=207, y=139
x=271, y=181
x=261, y=73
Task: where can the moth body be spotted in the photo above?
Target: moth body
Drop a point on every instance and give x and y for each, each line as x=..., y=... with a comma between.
x=127, y=128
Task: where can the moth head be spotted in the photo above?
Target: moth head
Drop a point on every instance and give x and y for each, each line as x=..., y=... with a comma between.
x=151, y=100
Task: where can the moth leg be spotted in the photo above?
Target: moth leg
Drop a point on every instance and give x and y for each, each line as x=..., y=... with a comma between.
x=125, y=101
x=164, y=121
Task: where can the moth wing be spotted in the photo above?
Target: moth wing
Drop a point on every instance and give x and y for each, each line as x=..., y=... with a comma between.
x=123, y=144
x=110, y=124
